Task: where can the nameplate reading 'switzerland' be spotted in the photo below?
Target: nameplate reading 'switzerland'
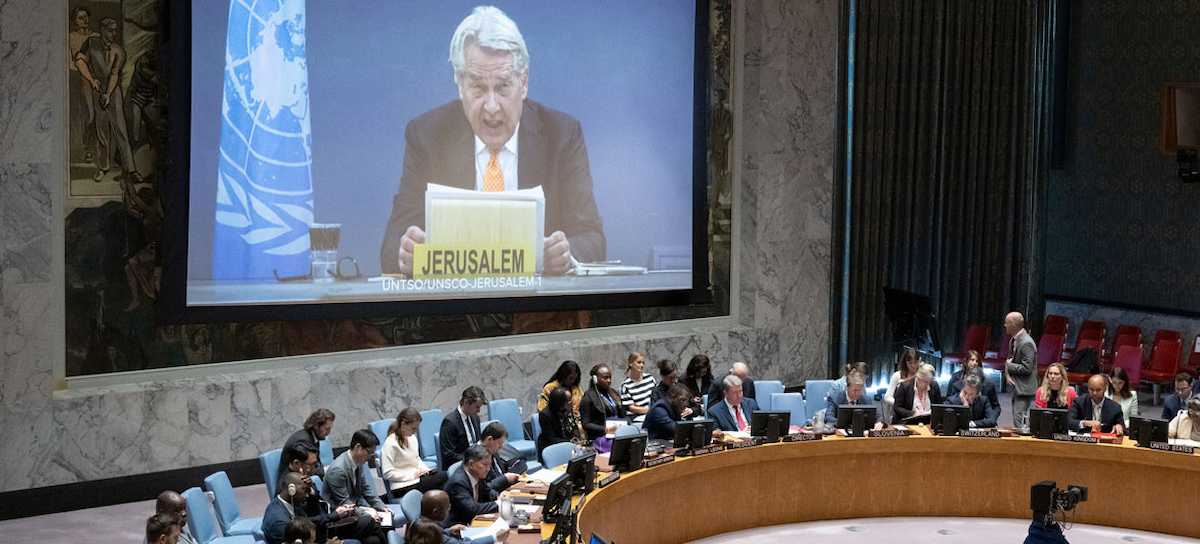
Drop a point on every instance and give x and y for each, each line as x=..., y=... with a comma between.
x=980, y=433
x=456, y=261
x=802, y=437
x=888, y=433
x=739, y=444
x=660, y=460
x=1076, y=438
x=612, y=477
x=1173, y=448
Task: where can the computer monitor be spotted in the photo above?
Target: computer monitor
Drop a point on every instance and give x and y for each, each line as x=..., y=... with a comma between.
x=627, y=452
x=693, y=434
x=1046, y=422
x=1147, y=429
x=856, y=419
x=582, y=471
x=770, y=424
x=558, y=499
x=948, y=419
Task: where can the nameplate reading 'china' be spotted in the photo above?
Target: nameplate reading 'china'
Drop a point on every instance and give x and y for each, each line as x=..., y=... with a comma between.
x=1076, y=438
x=888, y=433
x=980, y=433
x=802, y=437
x=612, y=477
x=1173, y=448
x=740, y=444
x=442, y=261
x=660, y=460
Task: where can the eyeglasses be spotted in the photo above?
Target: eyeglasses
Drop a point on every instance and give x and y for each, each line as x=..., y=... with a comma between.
x=347, y=269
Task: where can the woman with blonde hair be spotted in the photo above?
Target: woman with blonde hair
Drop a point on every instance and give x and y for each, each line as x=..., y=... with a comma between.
x=916, y=397
x=1055, y=392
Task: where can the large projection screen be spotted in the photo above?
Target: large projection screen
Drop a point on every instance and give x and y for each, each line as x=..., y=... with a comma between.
x=357, y=158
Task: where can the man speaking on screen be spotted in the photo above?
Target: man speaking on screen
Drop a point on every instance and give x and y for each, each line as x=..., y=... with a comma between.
x=494, y=139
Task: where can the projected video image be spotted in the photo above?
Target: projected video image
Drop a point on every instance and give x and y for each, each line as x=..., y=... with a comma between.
x=432, y=150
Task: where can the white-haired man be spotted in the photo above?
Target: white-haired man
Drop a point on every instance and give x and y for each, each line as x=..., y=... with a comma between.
x=495, y=139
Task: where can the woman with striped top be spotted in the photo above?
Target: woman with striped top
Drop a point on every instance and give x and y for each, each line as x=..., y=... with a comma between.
x=637, y=387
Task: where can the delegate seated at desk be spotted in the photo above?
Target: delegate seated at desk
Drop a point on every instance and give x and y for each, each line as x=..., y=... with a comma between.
x=600, y=404
x=468, y=488
x=435, y=507
x=493, y=139
x=972, y=365
x=660, y=422
x=853, y=395
x=917, y=396
x=503, y=474
x=983, y=413
x=733, y=412
x=1095, y=412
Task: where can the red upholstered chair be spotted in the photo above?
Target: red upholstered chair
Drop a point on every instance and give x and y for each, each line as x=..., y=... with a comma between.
x=1055, y=324
x=1130, y=359
x=1126, y=339
x=975, y=338
x=1126, y=331
x=1193, y=361
x=1084, y=343
x=1049, y=350
x=1164, y=360
x=1090, y=325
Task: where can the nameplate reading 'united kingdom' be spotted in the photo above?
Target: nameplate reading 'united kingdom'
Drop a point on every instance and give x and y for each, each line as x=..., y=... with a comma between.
x=802, y=437
x=1076, y=438
x=439, y=261
x=1173, y=448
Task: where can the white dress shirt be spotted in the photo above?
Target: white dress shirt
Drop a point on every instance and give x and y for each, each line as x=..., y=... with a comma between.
x=507, y=157
x=920, y=405
x=471, y=438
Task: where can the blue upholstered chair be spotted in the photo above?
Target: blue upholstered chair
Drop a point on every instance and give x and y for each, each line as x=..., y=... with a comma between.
x=380, y=428
x=508, y=413
x=815, y=392
x=268, y=461
x=318, y=485
x=556, y=455
x=411, y=504
x=535, y=426
x=763, y=389
x=201, y=523
x=440, y=462
x=326, y=452
x=229, y=514
x=704, y=404
x=431, y=423
x=454, y=467
x=792, y=402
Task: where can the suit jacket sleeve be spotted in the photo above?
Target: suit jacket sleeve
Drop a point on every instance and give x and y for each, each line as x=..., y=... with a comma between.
x=274, y=522
x=1114, y=415
x=577, y=215
x=1170, y=408
x=464, y=505
x=904, y=402
x=1024, y=359
x=408, y=206
x=991, y=413
x=452, y=441
x=337, y=484
x=1077, y=414
x=592, y=419
x=367, y=497
x=720, y=414
x=659, y=423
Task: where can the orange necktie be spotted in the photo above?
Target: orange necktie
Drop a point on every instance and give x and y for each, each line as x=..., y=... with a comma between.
x=493, y=178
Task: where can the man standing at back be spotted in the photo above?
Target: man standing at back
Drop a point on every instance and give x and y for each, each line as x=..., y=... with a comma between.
x=1021, y=368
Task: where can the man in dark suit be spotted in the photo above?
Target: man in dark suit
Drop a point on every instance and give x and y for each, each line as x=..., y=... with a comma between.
x=1096, y=413
x=734, y=411
x=475, y=143
x=742, y=371
x=294, y=498
x=984, y=414
x=435, y=506
x=468, y=488
x=660, y=421
x=1021, y=368
x=503, y=473
x=854, y=395
x=1173, y=404
x=460, y=428
x=316, y=428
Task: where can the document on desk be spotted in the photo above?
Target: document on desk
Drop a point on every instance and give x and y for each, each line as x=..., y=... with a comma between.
x=497, y=527
x=546, y=475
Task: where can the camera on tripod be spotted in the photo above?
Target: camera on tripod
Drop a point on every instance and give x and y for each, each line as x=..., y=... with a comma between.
x=1047, y=500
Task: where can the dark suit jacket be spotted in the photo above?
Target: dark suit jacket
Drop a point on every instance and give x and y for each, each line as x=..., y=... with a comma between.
x=552, y=431
x=1172, y=404
x=275, y=521
x=986, y=389
x=1081, y=410
x=905, y=395
x=500, y=467
x=724, y=418
x=463, y=505
x=453, y=440
x=593, y=412
x=302, y=436
x=833, y=401
x=715, y=394
x=440, y=146
x=660, y=421
x=983, y=413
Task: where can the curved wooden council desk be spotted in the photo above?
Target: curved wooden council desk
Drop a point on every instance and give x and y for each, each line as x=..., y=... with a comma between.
x=841, y=478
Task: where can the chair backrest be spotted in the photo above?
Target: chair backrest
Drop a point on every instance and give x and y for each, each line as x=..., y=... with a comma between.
x=535, y=426
x=815, y=392
x=318, y=485
x=1055, y=324
x=977, y=338
x=764, y=391
x=509, y=413
x=269, y=461
x=556, y=455
x=326, y=452
x=1130, y=359
x=1167, y=334
x=1093, y=328
x=1096, y=344
x=792, y=402
x=627, y=430
x=454, y=467
x=704, y=404
x=441, y=462
x=1126, y=331
x=224, y=501
x=1193, y=361
x=380, y=428
x=1164, y=355
x=483, y=425
x=410, y=504
x=1049, y=349
x=200, y=518
x=431, y=423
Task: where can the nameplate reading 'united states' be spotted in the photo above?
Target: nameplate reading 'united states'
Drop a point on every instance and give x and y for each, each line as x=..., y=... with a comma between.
x=1173, y=448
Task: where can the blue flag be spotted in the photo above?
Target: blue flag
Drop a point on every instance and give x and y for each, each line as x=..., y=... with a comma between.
x=264, y=185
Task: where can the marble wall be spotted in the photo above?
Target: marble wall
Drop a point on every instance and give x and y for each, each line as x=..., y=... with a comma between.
x=782, y=254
